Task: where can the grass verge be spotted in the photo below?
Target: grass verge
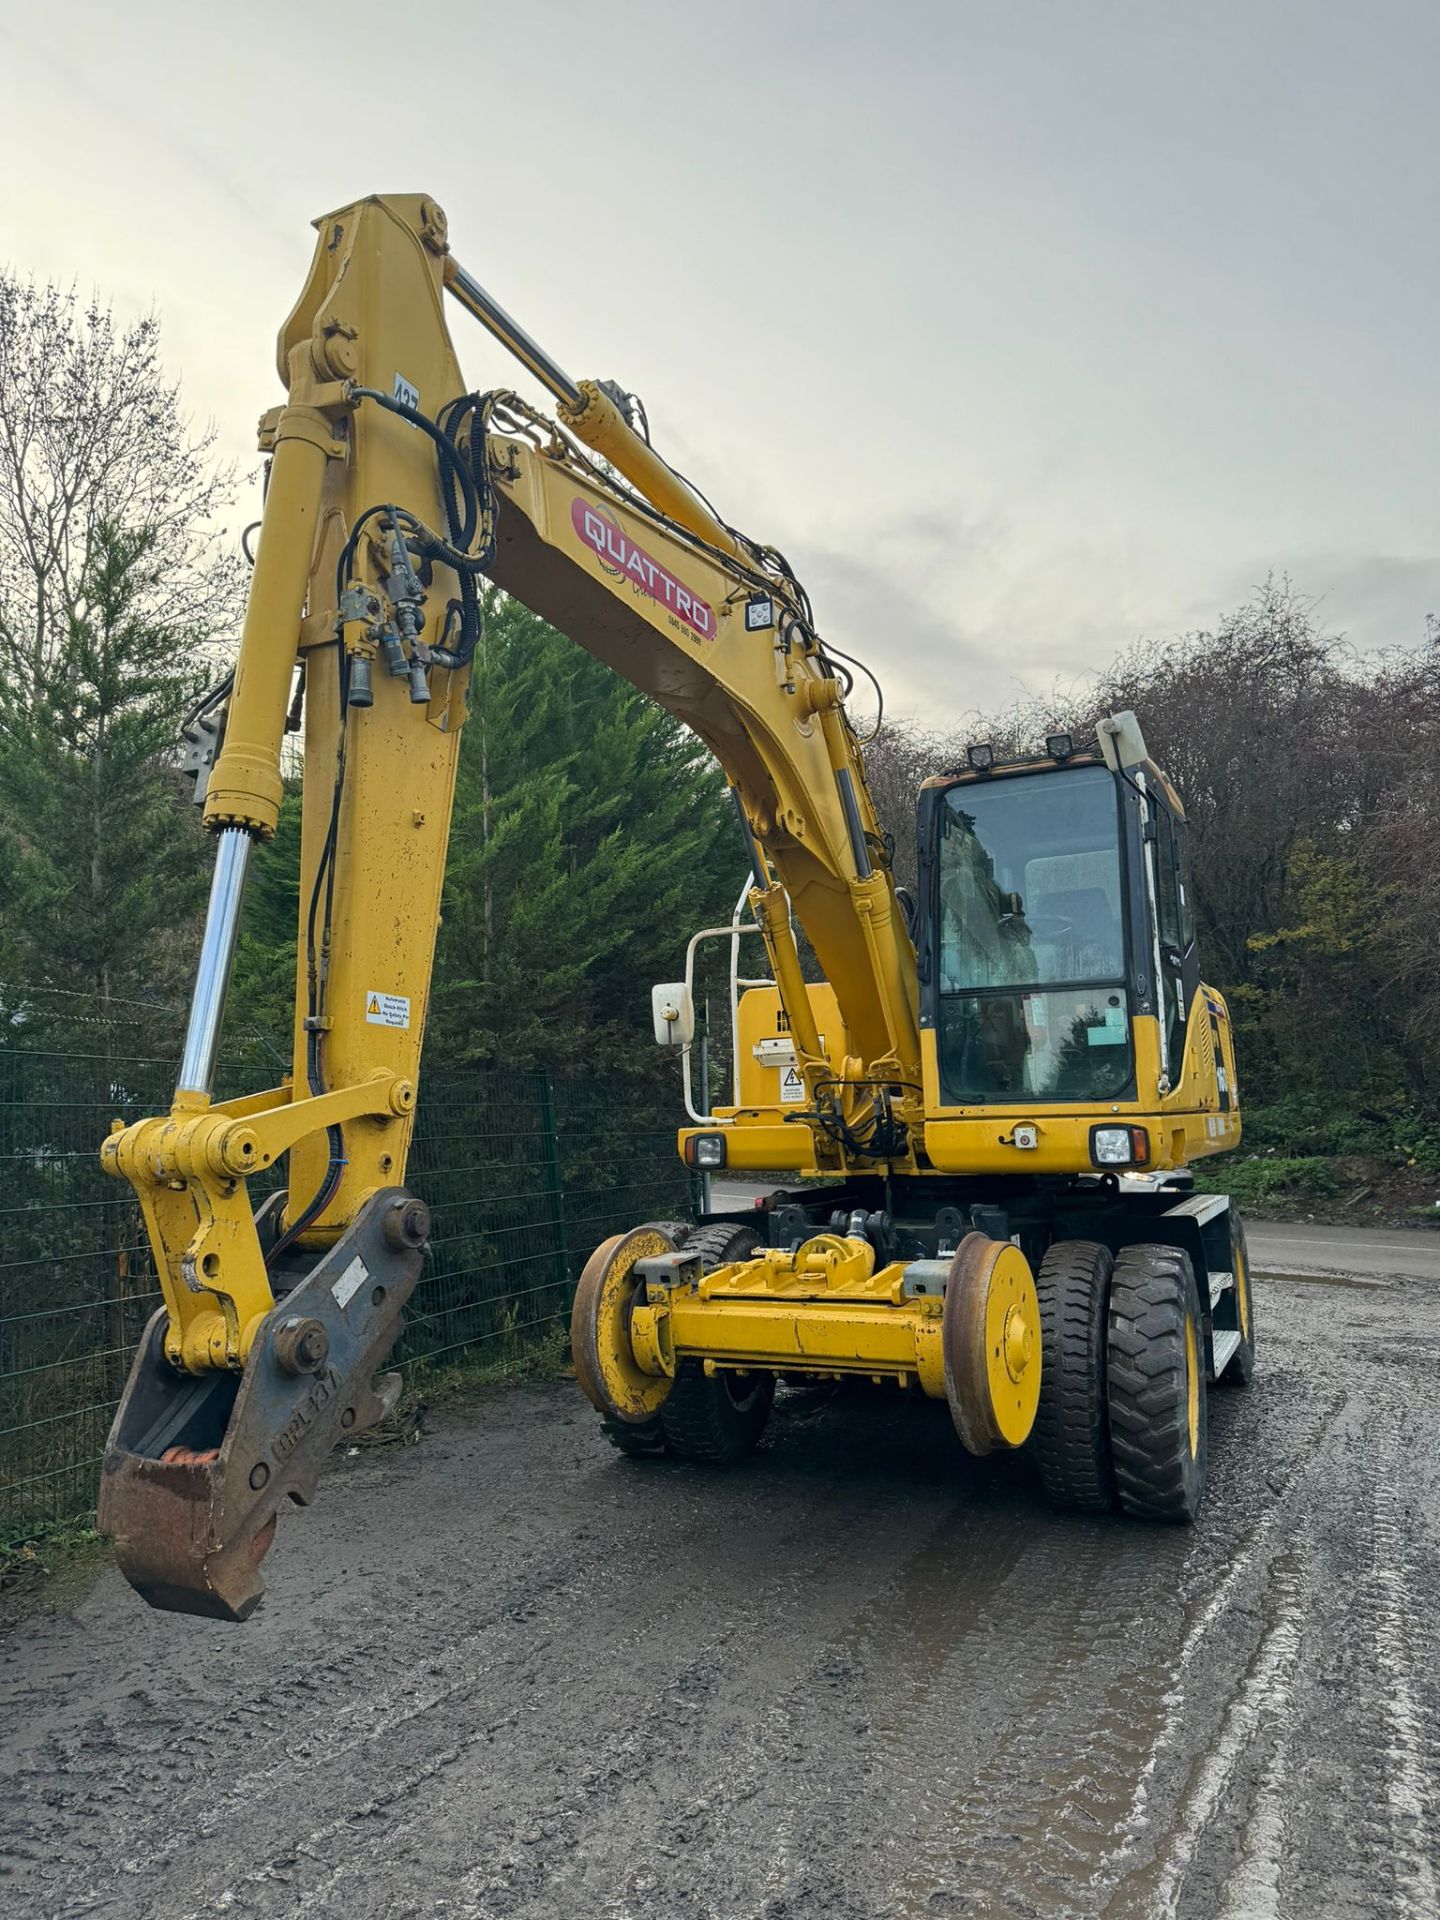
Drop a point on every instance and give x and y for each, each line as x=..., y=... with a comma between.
x=54, y=1563
x=428, y=1382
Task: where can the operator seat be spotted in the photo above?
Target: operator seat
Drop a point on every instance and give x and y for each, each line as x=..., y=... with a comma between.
x=1090, y=948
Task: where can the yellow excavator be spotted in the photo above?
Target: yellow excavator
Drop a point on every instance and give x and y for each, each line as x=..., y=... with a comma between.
x=980, y=1117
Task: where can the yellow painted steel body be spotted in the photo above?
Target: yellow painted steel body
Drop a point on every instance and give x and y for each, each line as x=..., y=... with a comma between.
x=667, y=612
x=663, y=601
x=767, y=1047
x=370, y=313
x=1184, y=1123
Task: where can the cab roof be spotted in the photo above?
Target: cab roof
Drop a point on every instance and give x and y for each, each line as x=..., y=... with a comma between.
x=1039, y=763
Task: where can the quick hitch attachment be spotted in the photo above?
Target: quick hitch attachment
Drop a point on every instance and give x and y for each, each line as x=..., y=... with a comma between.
x=196, y=1468
x=255, y=1366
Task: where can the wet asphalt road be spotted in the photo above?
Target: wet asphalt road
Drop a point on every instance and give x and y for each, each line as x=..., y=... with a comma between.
x=507, y=1673
x=1309, y=1248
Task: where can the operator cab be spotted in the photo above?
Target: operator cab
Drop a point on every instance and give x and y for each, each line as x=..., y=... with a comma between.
x=1055, y=897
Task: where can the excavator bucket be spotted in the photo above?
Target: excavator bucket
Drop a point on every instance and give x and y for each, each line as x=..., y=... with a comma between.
x=196, y=1467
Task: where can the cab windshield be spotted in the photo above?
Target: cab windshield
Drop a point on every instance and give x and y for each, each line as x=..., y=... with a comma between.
x=1032, y=948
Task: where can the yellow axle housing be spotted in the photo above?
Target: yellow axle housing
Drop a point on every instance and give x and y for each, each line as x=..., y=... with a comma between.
x=966, y=1330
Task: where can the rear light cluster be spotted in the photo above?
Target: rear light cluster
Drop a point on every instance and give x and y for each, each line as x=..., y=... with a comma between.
x=1119, y=1146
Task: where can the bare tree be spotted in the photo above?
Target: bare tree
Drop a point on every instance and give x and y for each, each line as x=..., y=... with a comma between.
x=1397, y=741
x=115, y=583
x=896, y=762
x=93, y=441
x=1250, y=721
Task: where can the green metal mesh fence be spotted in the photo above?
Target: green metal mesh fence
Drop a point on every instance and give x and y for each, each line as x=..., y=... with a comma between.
x=525, y=1173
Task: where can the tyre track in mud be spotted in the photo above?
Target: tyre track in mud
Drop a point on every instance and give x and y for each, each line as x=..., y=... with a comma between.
x=510, y=1674
x=449, y=1664
x=1050, y=1822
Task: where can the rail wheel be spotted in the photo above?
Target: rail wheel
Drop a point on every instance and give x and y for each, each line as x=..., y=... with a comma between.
x=1156, y=1383
x=627, y=1398
x=714, y=1420
x=1242, y=1361
x=1071, y=1440
x=991, y=1344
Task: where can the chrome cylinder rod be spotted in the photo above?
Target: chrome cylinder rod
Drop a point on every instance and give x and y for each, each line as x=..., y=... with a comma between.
x=217, y=956
x=489, y=312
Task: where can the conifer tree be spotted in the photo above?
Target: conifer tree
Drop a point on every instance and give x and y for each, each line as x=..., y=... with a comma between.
x=116, y=583
x=591, y=838
x=104, y=863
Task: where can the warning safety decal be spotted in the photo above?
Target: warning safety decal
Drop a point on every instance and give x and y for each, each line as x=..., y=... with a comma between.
x=387, y=1009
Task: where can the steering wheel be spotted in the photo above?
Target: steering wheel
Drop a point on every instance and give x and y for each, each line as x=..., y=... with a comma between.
x=1050, y=927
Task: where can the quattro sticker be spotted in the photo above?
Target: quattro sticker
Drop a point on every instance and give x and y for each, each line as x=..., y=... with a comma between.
x=618, y=553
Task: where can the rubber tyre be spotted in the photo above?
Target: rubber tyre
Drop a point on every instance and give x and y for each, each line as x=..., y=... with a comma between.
x=1241, y=1369
x=1158, y=1474
x=677, y=1229
x=715, y=1420
x=719, y=1243
x=1071, y=1441
x=645, y=1442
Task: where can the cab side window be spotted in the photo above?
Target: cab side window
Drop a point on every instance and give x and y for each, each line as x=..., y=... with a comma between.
x=1176, y=916
x=1167, y=880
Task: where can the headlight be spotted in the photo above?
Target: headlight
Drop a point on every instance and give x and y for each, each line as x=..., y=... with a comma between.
x=1119, y=1146
x=706, y=1150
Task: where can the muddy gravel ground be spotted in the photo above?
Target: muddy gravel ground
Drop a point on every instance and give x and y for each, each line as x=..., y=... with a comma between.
x=508, y=1673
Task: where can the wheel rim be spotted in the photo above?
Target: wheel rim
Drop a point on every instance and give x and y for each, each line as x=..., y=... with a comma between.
x=1192, y=1386
x=991, y=1341
x=1242, y=1288
x=605, y=1364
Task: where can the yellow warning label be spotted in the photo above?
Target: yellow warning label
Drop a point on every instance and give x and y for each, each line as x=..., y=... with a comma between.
x=387, y=1009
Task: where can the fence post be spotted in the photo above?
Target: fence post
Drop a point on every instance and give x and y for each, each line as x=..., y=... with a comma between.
x=554, y=1179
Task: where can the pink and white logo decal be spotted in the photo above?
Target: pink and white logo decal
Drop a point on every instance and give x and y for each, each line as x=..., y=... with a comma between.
x=604, y=535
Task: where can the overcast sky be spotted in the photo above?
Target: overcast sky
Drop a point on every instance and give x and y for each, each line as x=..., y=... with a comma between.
x=1024, y=326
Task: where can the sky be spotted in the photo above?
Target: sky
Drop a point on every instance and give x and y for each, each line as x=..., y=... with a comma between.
x=1027, y=328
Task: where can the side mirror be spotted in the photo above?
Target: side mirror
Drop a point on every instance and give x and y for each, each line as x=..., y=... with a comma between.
x=673, y=1013
x=1121, y=741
